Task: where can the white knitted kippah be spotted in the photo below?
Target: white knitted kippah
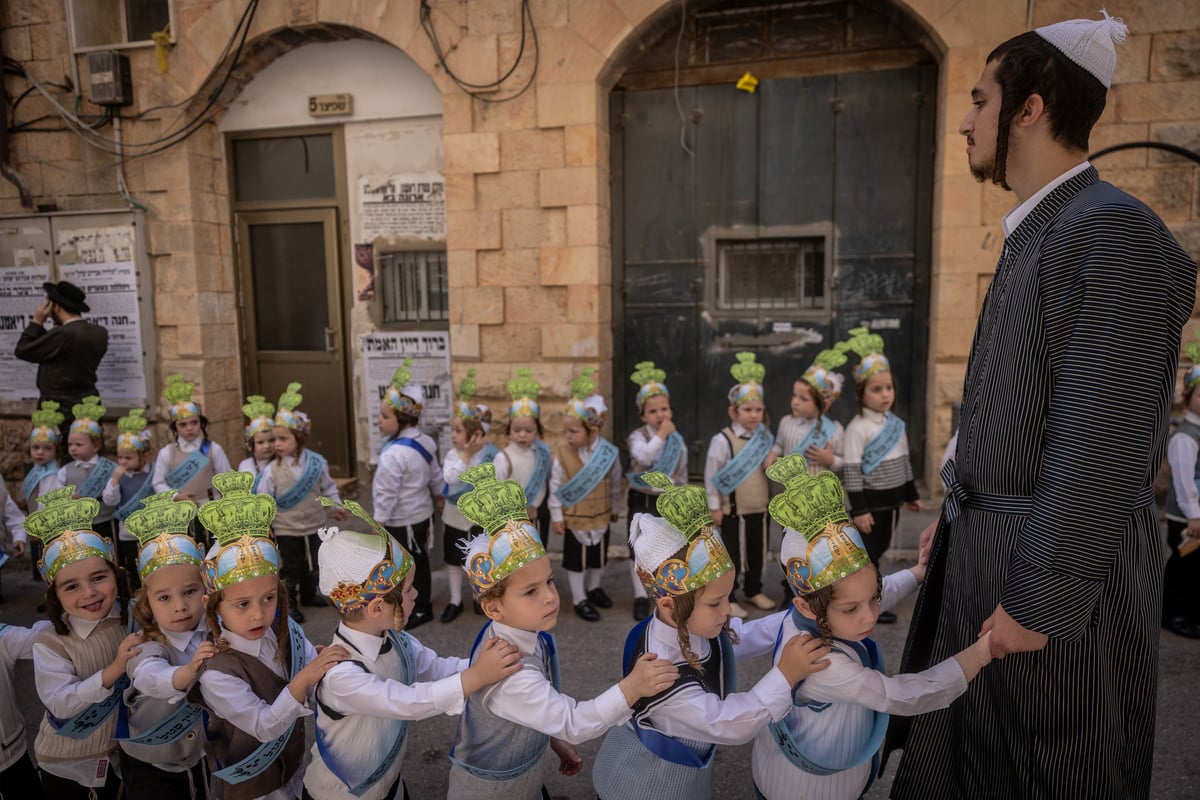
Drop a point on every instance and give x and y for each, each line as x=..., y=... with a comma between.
x=347, y=557
x=413, y=389
x=653, y=540
x=596, y=403
x=793, y=545
x=1089, y=43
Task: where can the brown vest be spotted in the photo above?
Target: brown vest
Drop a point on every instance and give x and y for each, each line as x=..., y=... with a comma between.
x=89, y=656
x=754, y=493
x=198, y=486
x=592, y=512
x=302, y=519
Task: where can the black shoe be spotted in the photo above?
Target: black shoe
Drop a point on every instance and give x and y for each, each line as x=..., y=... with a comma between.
x=585, y=611
x=886, y=618
x=451, y=613
x=295, y=614
x=1182, y=626
x=600, y=598
x=417, y=619
x=641, y=608
x=316, y=601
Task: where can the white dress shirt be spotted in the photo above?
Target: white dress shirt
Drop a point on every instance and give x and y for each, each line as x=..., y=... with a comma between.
x=644, y=453
x=1182, y=454
x=111, y=496
x=404, y=484
x=453, y=467
x=325, y=484
x=153, y=674
x=792, y=431
x=518, y=463
x=14, y=519
x=558, y=477
x=216, y=457
x=718, y=455
x=253, y=466
x=60, y=478
x=16, y=643
x=862, y=429
x=1013, y=219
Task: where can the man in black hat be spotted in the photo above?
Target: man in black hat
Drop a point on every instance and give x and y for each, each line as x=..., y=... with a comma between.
x=67, y=355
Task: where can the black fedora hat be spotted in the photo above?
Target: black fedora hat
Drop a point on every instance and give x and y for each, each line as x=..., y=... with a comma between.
x=67, y=295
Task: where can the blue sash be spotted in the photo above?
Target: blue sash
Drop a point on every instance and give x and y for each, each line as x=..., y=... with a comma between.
x=667, y=461
x=35, y=476
x=266, y=753
x=314, y=465
x=743, y=465
x=400, y=642
x=588, y=478
x=541, y=471
x=868, y=653
x=882, y=443
x=258, y=473
x=190, y=468
x=85, y=723
x=411, y=443
x=100, y=475
x=172, y=728
x=819, y=434
x=488, y=453
x=135, y=502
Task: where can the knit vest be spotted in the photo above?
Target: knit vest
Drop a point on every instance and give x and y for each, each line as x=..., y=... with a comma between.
x=146, y=713
x=199, y=485
x=77, y=476
x=303, y=518
x=1187, y=429
x=89, y=656
x=754, y=493
x=592, y=512
x=229, y=744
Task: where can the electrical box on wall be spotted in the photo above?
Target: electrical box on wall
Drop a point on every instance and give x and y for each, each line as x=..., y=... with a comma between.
x=109, y=80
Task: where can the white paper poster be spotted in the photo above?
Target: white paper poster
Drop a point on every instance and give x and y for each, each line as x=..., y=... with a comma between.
x=20, y=295
x=402, y=205
x=384, y=352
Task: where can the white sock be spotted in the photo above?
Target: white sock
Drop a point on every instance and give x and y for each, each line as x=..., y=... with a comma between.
x=575, y=581
x=454, y=577
x=593, y=578
x=638, y=589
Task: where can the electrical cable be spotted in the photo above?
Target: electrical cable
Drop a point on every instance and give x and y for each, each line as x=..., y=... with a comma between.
x=678, y=104
x=475, y=89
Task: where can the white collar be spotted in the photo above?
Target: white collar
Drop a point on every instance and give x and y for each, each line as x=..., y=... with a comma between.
x=366, y=643
x=740, y=429
x=874, y=416
x=243, y=645
x=666, y=641
x=1192, y=418
x=89, y=462
x=525, y=641
x=181, y=641
x=83, y=627
x=1013, y=219
x=293, y=461
x=411, y=432
x=192, y=446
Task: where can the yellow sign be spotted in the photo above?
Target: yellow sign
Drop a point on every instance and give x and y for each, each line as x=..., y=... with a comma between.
x=330, y=105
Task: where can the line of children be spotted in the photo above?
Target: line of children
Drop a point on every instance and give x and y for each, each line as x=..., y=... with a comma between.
x=260, y=436
x=1181, y=602
x=527, y=459
x=44, y=447
x=88, y=470
x=188, y=464
x=129, y=485
x=585, y=496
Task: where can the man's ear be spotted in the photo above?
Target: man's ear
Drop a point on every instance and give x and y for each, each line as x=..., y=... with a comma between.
x=1033, y=111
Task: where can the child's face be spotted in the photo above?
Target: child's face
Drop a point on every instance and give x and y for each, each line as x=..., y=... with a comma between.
x=748, y=415
x=854, y=609
x=248, y=608
x=285, y=442
x=523, y=430
x=176, y=597
x=656, y=410
x=458, y=434
x=264, y=445
x=576, y=433
x=408, y=597
x=879, y=393
x=711, y=611
x=188, y=429
x=81, y=446
x=131, y=460
x=804, y=405
x=42, y=452
x=87, y=588
x=389, y=423
x=530, y=603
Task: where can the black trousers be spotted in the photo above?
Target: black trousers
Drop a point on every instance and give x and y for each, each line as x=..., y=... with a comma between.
x=147, y=782
x=56, y=788
x=747, y=562
x=576, y=557
x=414, y=538
x=298, y=559
x=1181, y=579
x=880, y=538
x=20, y=781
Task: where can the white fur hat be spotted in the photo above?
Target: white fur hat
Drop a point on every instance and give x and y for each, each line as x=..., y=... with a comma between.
x=1089, y=43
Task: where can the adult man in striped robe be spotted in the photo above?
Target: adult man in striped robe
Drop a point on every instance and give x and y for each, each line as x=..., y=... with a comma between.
x=1049, y=537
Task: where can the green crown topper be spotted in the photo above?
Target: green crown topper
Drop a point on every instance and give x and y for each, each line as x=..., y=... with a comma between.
x=403, y=375
x=809, y=502
x=685, y=507
x=48, y=416
x=1192, y=350
x=466, y=389
x=239, y=512
x=257, y=406
x=61, y=513
x=645, y=372
x=863, y=342
x=161, y=514
x=291, y=399
x=491, y=504
x=89, y=408
x=583, y=385
x=830, y=360
x=134, y=424
x=178, y=390
x=523, y=385
x=747, y=370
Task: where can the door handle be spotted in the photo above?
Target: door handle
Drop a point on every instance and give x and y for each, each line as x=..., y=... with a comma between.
x=330, y=340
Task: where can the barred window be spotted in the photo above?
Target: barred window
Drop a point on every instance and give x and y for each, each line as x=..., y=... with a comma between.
x=771, y=274
x=412, y=286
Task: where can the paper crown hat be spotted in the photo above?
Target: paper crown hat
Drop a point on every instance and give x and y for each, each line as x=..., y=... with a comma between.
x=869, y=347
x=523, y=390
x=686, y=524
x=404, y=395
x=261, y=415
x=822, y=375
x=749, y=375
x=583, y=404
x=1089, y=43
x=132, y=433
x=466, y=409
x=178, y=394
x=510, y=541
x=820, y=546
x=161, y=527
x=357, y=567
x=289, y=414
x=649, y=379
x=88, y=414
x=64, y=527
x=241, y=522
x=45, y=423
x=1192, y=351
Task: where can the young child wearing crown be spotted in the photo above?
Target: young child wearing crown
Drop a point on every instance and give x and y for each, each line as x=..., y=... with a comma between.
x=527, y=459
x=666, y=748
x=735, y=482
x=504, y=732
x=807, y=430
x=88, y=470
x=260, y=436
x=129, y=486
x=469, y=428
x=257, y=687
x=364, y=704
x=656, y=445
x=408, y=483
x=879, y=474
x=188, y=464
x=585, y=495
x=1181, y=602
x=79, y=664
x=827, y=746
x=164, y=754
x=297, y=478
x=44, y=447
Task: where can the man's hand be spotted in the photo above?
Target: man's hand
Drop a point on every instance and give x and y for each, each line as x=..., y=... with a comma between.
x=1009, y=637
x=43, y=313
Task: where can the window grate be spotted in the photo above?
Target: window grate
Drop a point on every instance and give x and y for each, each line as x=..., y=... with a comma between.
x=771, y=274
x=413, y=286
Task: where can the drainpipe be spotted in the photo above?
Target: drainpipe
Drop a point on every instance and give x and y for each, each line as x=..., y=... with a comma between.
x=13, y=177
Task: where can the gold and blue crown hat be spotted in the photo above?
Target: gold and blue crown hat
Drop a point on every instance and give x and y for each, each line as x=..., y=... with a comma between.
x=88, y=414
x=869, y=347
x=289, y=414
x=822, y=374
x=466, y=409
x=523, y=390
x=583, y=404
x=132, y=432
x=161, y=527
x=64, y=527
x=241, y=522
x=1192, y=351
x=649, y=379
x=749, y=375
x=402, y=394
x=686, y=524
x=820, y=546
x=511, y=541
x=178, y=394
x=45, y=423
x=261, y=415
x=357, y=567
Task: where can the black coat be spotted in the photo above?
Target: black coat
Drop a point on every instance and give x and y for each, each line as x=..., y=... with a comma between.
x=67, y=357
